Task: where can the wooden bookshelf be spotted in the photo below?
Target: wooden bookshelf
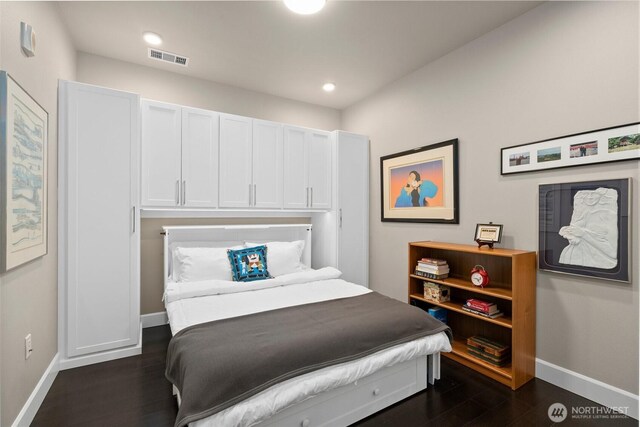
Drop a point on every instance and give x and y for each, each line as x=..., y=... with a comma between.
x=512, y=287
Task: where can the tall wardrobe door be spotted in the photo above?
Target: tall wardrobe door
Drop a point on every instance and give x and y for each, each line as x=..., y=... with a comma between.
x=199, y=158
x=102, y=243
x=267, y=164
x=353, y=207
x=236, y=190
x=161, y=141
x=296, y=193
x=319, y=170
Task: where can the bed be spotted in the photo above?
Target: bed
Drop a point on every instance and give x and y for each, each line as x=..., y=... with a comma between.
x=336, y=394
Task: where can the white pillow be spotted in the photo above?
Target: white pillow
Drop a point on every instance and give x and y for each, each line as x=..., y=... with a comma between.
x=174, y=264
x=193, y=264
x=283, y=257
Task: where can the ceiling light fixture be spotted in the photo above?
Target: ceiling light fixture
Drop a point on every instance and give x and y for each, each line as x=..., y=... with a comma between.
x=305, y=7
x=329, y=87
x=152, y=38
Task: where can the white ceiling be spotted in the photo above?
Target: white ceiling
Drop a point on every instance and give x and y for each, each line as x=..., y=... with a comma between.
x=262, y=46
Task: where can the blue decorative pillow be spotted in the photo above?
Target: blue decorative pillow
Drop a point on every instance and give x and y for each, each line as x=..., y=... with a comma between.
x=249, y=264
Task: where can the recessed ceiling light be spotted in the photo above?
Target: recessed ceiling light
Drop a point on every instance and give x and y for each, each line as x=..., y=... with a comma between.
x=152, y=38
x=329, y=87
x=305, y=7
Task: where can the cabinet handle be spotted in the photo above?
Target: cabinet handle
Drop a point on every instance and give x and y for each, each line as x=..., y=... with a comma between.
x=254, y=194
x=376, y=391
x=249, y=194
x=177, y=192
x=340, y=217
x=134, y=220
x=184, y=193
x=311, y=203
x=306, y=202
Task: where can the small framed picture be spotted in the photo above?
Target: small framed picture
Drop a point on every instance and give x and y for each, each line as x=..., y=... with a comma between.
x=488, y=233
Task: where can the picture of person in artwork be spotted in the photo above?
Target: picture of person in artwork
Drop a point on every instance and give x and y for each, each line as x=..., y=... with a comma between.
x=416, y=192
x=593, y=231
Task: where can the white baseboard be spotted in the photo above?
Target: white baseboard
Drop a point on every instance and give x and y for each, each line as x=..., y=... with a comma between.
x=31, y=406
x=154, y=319
x=589, y=388
x=104, y=356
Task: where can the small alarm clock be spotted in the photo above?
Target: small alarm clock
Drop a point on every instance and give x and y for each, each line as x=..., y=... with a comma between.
x=479, y=276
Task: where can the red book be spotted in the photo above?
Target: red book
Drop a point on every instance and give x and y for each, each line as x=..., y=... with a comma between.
x=480, y=303
x=482, y=309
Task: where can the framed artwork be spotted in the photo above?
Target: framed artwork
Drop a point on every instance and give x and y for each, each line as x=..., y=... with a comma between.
x=599, y=146
x=421, y=185
x=23, y=176
x=488, y=233
x=584, y=228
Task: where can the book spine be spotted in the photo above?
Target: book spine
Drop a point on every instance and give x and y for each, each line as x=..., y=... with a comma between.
x=480, y=313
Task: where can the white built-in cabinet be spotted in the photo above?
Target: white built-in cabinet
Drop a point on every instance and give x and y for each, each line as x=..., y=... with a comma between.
x=179, y=156
x=267, y=170
x=307, y=168
x=341, y=236
x=98, y=224
x=236, y=140
x=352, y=206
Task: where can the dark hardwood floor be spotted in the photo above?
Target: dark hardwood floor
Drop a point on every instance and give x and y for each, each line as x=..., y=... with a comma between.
x=134, y=392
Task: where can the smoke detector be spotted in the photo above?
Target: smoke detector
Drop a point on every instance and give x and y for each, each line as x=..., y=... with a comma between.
x=172, y=58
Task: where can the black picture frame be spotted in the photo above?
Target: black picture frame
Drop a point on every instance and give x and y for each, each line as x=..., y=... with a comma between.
x=565, y=144
x=556, y=211
x=447, y=151
x=499, y=228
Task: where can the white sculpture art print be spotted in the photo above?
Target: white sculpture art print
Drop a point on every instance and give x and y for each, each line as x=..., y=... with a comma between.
x=592, y=234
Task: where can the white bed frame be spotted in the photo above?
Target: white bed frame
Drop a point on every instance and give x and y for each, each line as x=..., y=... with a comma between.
x=338, y=407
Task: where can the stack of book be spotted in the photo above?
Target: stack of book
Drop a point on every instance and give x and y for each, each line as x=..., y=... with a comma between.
x=492, y=352
x=431, y=268
x=482, y=308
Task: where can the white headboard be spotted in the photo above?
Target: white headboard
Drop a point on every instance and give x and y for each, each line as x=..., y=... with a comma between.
x=260, y=233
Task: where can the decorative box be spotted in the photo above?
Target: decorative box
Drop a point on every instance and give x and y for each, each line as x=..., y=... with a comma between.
x=439, y=313
x=490, y=351
x=436, y=292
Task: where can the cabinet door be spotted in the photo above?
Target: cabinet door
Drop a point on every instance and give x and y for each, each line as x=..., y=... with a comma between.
x=199, y=158
x=319, y=161
x=236, y=189
x=353, y=206
x=267, y=164
x=99, y=233
x=296, y=195
x=161, y=151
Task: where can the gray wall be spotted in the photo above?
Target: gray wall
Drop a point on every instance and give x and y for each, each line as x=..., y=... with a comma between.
x=176, y=88
x=184, y=90
x=29, y=293
x=561, y=68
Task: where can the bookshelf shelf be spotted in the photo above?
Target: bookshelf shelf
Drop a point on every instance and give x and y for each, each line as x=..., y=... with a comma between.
x=512, y=288
x=503, y=321
x=454, y=282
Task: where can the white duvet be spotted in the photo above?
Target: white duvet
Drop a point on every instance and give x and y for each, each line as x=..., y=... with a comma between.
x=198, y=302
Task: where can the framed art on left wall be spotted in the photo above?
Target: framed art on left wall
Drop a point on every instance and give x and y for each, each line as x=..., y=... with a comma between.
x=23, y=177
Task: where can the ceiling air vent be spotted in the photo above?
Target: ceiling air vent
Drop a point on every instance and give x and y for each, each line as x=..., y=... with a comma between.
x=168, y=57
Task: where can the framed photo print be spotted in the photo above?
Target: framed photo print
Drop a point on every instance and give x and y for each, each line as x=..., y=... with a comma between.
x=584, y=228
x=421, y=185
x=599, y=146
x=490, y=233
x=23, y=175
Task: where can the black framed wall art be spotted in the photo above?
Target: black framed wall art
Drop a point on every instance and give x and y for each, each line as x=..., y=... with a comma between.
x=584, y=228
x=421, y=185
x=607, y=145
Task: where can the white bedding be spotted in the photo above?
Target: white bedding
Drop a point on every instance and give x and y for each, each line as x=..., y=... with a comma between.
x=198, y=302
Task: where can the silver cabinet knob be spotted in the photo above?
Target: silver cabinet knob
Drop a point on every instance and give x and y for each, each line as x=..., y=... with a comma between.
x=305, y=422
x=376, y=391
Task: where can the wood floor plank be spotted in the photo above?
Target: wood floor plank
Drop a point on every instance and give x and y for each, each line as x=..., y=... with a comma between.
x=134, y=392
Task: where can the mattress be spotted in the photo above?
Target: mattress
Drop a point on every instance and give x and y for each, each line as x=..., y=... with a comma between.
x=198, y=302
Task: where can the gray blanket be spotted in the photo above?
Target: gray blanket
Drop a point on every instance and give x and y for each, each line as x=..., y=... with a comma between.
x=218, y=364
